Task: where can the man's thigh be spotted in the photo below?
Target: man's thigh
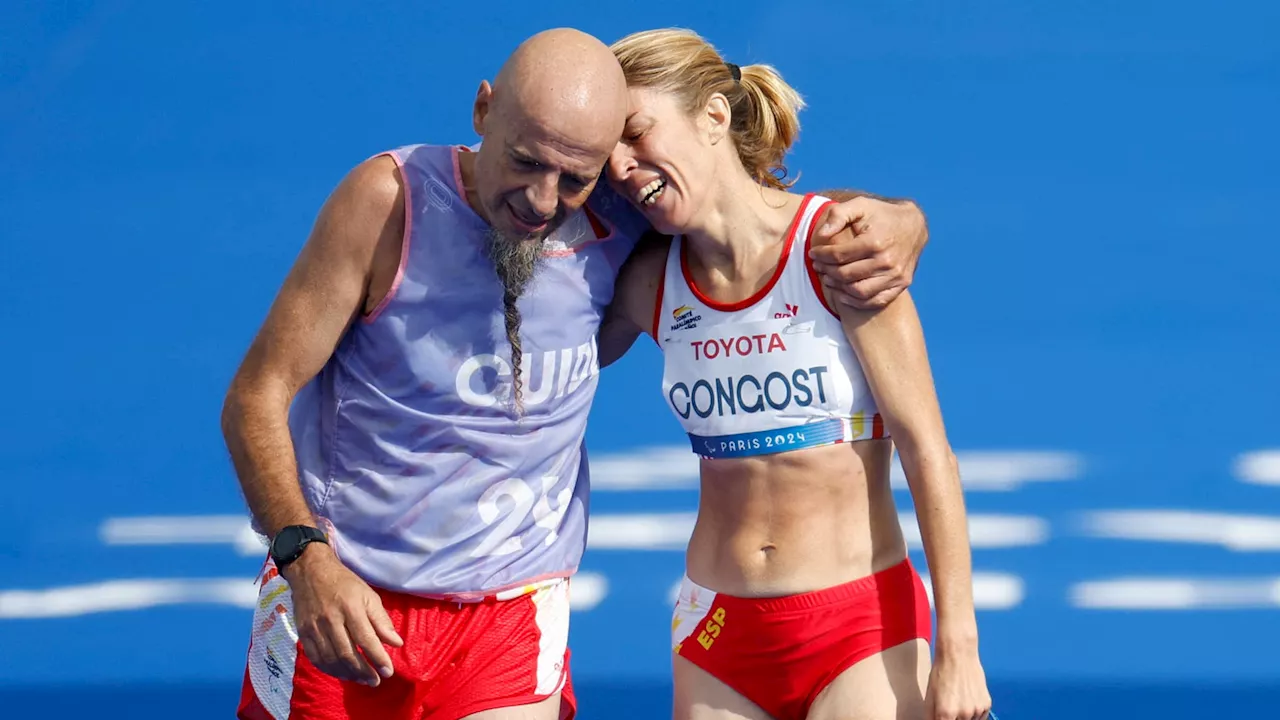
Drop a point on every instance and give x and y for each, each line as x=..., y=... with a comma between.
x=549, y=709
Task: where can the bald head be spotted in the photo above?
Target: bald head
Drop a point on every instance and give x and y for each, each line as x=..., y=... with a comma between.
x=549, y=121
x=566, y=81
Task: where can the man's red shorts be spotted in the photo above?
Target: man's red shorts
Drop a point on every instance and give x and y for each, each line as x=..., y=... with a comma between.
x=779, y=653
x=457, y=659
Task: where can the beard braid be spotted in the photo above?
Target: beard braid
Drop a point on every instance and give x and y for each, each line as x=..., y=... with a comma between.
x=515, y=262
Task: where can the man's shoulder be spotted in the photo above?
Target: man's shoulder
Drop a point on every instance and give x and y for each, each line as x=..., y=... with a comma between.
x=424, y=173
x=384, y=183
x=373, y=187
x=428, y=158
x=421, y=149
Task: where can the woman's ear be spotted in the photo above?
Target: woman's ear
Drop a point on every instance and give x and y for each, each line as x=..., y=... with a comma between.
x=717, y=117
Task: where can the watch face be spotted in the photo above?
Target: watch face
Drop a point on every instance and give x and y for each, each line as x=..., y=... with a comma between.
x=286, y=543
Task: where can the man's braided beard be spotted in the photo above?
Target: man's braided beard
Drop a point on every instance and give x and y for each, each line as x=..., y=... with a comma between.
x=515, y=261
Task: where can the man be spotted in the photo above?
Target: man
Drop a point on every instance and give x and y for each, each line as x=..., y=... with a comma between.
x=407, y=426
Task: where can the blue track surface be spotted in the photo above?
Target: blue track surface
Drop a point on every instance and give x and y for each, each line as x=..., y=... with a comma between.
x=1101, y=299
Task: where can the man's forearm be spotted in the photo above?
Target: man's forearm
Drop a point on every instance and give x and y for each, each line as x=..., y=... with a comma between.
x=844, y=195
x=256, y=430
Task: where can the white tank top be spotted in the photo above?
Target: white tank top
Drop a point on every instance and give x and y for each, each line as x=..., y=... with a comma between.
x=771, y=373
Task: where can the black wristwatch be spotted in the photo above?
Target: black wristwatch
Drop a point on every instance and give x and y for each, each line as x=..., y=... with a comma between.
x=289, y=543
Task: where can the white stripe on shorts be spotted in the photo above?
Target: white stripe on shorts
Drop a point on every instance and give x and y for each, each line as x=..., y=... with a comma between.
x=551, y=615
x=692, y=605
x=273, y=648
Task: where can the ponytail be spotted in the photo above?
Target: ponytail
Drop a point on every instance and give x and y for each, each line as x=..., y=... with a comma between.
x=769, y=126
x=765, y=108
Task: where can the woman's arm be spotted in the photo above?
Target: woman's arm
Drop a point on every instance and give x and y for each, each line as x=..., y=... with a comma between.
x=889, y=343
x=890, y=346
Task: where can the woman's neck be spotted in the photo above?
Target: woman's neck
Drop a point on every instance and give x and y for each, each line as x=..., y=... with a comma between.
x=742, y=222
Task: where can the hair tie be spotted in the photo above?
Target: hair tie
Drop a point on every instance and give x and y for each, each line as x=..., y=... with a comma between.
x=735, y=71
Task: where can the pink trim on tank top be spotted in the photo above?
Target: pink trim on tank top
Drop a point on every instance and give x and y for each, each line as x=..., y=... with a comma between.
x=404, y=241
x=457, y=171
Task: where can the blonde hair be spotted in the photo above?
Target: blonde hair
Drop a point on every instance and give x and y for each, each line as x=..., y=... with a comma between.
x=765, y=108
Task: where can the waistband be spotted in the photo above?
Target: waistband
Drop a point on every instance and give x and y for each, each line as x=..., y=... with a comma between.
x=529, y=587
x=765, y=442
x=476, y=598
x=896, y=581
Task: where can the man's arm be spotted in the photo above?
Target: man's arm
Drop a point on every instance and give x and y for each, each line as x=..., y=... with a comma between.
x=635, y=293
x=846, y=194
x=322, y=294
x=873, y=267
x=360, y=224
x=616, y=336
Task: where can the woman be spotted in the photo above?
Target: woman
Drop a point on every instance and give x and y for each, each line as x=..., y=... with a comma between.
x=799, y=599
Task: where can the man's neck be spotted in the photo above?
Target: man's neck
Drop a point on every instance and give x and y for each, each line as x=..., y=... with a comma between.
x=467, y=173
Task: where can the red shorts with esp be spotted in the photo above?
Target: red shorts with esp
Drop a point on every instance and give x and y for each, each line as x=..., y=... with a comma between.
x=457, y=659
x=779, y=653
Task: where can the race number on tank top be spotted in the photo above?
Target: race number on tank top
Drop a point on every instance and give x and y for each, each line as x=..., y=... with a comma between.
x=771, y=373
x=407, y=443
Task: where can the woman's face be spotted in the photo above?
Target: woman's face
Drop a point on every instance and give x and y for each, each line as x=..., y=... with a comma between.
x=665, y=162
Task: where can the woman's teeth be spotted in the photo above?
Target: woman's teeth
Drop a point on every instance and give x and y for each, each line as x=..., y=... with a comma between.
x=650, y=193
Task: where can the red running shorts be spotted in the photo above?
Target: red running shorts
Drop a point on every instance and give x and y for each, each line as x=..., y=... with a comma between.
x=780, y=652
x=457, y=659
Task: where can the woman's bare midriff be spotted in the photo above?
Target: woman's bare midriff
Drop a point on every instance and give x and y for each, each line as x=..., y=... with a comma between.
x=795, y=522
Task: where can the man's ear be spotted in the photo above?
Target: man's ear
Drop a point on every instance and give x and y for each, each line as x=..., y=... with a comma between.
x=484, y=104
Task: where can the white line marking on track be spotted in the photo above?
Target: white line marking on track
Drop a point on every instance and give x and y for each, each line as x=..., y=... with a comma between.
x=587, y=590
x=988, y=531
x=608, y=531
x=675, y=467
x=119, y=595
x=1177, y=593
x=1259, y=468
x=1241, y=533
x=231, y=530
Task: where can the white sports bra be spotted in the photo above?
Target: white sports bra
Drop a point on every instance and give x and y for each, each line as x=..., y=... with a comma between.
x=771, y=373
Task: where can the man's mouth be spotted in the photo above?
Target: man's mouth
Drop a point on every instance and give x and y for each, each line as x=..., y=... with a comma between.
x=527, y=224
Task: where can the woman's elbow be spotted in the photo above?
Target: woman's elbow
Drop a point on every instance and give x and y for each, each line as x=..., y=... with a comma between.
x=926, y=456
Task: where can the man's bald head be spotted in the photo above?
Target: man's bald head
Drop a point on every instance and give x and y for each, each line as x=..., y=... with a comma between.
x=549, y=121
x=567, y=81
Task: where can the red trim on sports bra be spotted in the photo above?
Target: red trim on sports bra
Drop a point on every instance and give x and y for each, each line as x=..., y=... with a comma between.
x=808, y=261
x=762, y=292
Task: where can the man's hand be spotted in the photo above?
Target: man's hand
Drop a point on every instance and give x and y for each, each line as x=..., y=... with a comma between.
x=339, y=616
x=873, y=267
